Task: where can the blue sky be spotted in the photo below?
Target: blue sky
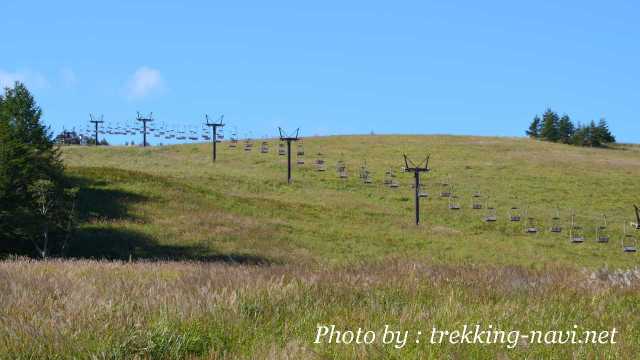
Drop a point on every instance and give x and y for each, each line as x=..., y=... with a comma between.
x=330, y=67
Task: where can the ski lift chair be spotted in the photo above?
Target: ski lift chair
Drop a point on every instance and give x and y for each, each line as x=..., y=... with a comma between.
x=454, y=204
x=341, y=168
x=281, y=149
x=248, y=145
x=629, y=242
x=530, y=226
x=367, y=178
x=364, y=171
x=491, y=214
x=476, y=203
x=300, y=148
x=447, y=190
x=300, y=160
x=576, y=234
x=365, y=175
x=388, y=177
x=320, y=165
x=602, y=235
x=422, y=192
x=393, y=183
x=264, y=147
x=514, y=214
x=555, y=223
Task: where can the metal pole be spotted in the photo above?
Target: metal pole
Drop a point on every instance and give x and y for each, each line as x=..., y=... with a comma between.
x=417, y=169
x=214, y=134
x=96, y=133
x=417, y=174
x=289, y=161
x=144, y=133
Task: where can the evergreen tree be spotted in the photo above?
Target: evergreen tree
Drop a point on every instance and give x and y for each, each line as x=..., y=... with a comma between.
x=604, y=134
x=534, y=128
x=27, y=155
x=593, y=136
x=565, y=129
x=579, y=135
x=552, y=128
x=549, y=128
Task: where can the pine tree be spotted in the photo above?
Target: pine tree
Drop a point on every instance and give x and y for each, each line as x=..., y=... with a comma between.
x=534, y=128
x=27, y=155
x=578, y=138
x=549, y=128
x=604, y=134
x=593, y=135
x=566, y=129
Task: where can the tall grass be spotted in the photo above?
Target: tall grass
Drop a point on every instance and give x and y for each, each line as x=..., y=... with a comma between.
x=83, y=309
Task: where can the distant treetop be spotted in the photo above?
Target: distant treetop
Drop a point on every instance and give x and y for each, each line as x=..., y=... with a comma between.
x=561, y=129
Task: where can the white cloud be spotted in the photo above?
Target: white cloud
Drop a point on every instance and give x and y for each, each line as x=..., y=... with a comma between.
x=28, y=77
x=144, y=82
x=69, y=77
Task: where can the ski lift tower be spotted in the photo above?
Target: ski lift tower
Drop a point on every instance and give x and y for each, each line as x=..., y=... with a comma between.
x=144, y=120
x=288, y=138
x=96, y=121
x=214, y=134
x=410, y=166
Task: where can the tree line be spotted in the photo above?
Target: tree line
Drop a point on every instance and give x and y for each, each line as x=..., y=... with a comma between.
x=37, y=203
x=552, y=127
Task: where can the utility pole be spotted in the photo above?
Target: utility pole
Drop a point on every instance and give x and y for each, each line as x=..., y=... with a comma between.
x=144, y=120
x=96, y=122
x=214, y=134
x=288, y=139
x=416, y=170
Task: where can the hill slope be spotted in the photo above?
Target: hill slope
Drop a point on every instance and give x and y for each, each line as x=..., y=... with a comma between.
x=172, y=202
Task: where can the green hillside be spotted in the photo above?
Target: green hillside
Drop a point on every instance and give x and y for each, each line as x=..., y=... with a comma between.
x=174, y=203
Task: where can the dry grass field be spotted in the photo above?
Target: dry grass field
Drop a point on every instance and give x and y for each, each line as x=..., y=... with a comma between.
x=231, y=262
x=114, y=310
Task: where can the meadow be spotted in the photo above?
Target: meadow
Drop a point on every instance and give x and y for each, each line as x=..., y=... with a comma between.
x=230, y=261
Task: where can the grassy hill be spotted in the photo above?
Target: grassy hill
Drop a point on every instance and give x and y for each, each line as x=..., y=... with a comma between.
x=172, y=201
x=271, y=261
